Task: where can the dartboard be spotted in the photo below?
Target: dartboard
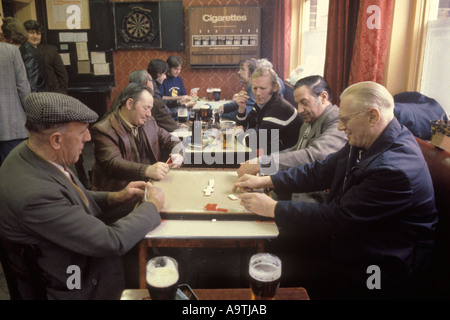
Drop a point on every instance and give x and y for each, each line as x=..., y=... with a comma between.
x=138, y=26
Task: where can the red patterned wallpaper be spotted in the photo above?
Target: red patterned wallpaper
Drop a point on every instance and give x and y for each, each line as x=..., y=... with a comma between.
x=126, y=61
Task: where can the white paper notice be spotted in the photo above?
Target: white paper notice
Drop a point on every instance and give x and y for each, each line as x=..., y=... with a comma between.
x=82, y=51
x=101, y=69
x=80, y=37
x=66, y=37
x=98, y=57
x=65, y=58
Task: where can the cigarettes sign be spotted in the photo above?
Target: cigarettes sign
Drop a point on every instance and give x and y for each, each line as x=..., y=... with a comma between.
x=222, y=36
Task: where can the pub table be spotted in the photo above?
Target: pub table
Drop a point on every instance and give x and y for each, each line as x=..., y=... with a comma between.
x=295, y=293
x=192, y=219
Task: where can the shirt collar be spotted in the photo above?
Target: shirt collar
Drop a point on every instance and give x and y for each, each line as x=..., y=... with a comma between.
x=128, y=126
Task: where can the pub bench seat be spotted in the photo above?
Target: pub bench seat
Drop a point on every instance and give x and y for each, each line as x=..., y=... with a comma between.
x=438, y=286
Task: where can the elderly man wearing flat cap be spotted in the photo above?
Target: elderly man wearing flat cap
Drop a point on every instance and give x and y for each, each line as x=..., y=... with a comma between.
x=41, y=203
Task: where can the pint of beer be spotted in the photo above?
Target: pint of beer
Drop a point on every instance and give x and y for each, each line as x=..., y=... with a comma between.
x=227, y=129
x=265, y=274
x=210, y=94
x=217, y=92
x=162, y=278
x=182, y=114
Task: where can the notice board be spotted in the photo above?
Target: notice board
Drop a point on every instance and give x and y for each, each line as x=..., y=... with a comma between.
x=81, y=31
x=222, y=36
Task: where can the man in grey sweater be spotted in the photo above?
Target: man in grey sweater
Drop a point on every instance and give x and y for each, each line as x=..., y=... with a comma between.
x=318, y=136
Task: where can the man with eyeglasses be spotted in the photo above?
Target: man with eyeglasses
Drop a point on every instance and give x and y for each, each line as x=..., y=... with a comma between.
x=318, y=136
x=380, y=210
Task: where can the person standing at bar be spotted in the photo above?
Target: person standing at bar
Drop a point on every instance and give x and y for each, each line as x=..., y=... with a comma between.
x=14, y=32
x=14, y=87
x=58, y=79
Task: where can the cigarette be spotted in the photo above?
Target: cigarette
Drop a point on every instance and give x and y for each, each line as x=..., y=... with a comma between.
x=145, y=193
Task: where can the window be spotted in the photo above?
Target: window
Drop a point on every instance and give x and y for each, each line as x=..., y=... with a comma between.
x=309, y=36
x=436, y=64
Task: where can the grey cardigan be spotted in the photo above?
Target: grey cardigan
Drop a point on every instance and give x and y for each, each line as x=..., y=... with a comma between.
x=323, y=139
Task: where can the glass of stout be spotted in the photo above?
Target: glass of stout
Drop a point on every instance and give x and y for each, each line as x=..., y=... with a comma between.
x=265, y=275
x=182, y=114
x=162, y=278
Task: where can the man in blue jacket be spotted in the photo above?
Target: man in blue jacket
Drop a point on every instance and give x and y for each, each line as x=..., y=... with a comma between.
x=380, y=213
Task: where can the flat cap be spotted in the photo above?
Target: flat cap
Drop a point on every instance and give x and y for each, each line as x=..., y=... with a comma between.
x=54, y=108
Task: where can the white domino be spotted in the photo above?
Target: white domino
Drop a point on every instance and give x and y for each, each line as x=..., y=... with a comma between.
x=210, y=188
x=232, y=197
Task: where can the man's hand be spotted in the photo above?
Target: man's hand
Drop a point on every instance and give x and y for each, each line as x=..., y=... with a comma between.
x=177, y=160
x=259, y=203
x=190, y=103
x=249, y=167
x=184, y=99
x=133, y=192
x=241, y=100
x=156, y=196
x=249, y=183
x=157, y=171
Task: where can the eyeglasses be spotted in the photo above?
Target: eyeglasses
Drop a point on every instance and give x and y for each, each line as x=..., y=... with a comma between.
x=348, y=117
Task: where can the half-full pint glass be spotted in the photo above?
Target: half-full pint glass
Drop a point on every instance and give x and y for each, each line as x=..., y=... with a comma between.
x=265, y=274
x=162, y=278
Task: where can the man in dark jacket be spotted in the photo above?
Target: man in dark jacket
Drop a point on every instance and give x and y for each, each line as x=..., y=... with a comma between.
x=58, y=79
x=274, y=120
x=380, y=213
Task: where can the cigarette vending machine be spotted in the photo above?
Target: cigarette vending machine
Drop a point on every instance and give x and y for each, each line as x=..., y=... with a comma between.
x=222, y=36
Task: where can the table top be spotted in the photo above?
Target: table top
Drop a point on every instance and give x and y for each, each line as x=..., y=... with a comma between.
x=297, y=293
x=186, y=192
x=208, y=229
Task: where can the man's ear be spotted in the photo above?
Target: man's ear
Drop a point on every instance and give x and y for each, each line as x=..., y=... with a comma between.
x=129, y=103
x=374, y=115
x=323, y=97
x=56, y=140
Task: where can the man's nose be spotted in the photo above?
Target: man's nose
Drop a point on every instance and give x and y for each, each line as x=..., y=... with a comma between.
x=340, y=126
x=87, y=136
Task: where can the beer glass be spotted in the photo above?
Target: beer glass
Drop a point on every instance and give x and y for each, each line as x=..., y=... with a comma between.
x=210, y=94
x=205, y=112
x=227, y=130
x=217, y=92
x=182, y=114
x=162, y=278
x=265, y=274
